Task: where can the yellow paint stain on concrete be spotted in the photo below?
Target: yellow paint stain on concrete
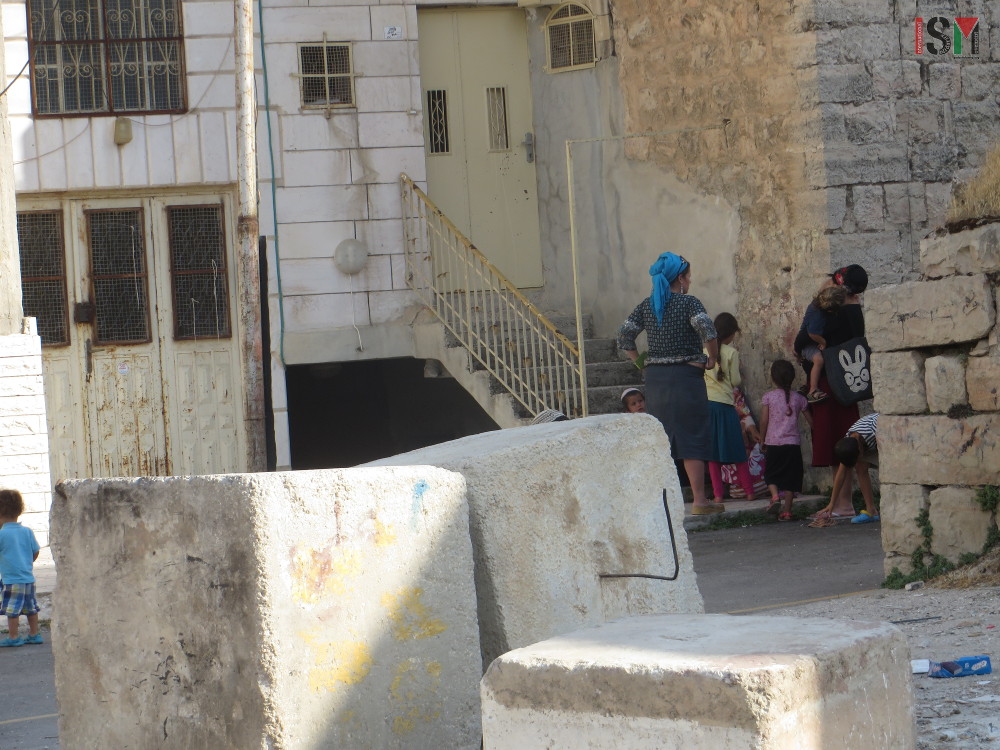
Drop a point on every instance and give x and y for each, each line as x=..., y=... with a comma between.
x=319, y=573
x=414, y=690
x=411, y=618
x=385, y=536
x=337, y=663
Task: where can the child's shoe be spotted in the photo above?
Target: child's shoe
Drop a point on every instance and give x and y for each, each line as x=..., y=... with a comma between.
x=11, y=642
x=36, y=638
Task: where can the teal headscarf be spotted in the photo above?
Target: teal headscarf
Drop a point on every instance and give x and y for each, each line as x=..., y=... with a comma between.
x=664, y=271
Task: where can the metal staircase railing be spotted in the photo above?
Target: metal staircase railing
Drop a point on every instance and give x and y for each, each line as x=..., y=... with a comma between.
x=499, y=326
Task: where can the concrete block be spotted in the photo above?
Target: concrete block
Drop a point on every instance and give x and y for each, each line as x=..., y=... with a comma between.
x=898, y=382
x=306, y=609
x=892, y=79
x=832, y=123
x=936, y=160
x=959, y=524
x=938, y=196
x=844, y=83
x=944, y=80
x=868, y=163
x=980, y=81
x=944, y=377
x=555, y=506
x=972, y=251
x=904, y=203
x=929, y=313
x=921, y=119
x=836, y=207
x=899, y=506
x=851, y=12
x=883, y=252
x=937, y=450
x=868, y=207
x=871, y=122
x=703, y=683
x=878, y=41
x=982, y=381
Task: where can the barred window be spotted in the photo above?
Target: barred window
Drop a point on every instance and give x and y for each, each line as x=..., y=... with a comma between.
x=106, y=57
x=198, y=272
x=570, y=35
x=326, y=75
x=119, y=276
x=43, y=273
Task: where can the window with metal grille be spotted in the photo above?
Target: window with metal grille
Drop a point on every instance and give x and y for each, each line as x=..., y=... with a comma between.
x=119, y=277
x=326, y=75
x=43, y=273
x=437, y=122
x=496, y=115
x=198, y=272
x=570, y=32
x=105, y=57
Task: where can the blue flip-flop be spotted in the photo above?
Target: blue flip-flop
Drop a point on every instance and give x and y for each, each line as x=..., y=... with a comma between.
x=865, y=517
x=33, y=639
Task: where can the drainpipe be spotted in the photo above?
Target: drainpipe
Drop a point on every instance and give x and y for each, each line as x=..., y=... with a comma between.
x=247, y=235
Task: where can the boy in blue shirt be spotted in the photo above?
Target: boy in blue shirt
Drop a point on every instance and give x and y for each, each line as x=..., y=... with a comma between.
x=18, y=550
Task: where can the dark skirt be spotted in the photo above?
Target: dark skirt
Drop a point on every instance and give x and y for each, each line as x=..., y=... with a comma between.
x=727, y=436
x=676, y=395
x=831, y=421
x=783, y=468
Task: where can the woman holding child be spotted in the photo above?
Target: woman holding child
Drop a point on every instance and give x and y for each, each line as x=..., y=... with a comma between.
x=682, y=344
x=831, y=419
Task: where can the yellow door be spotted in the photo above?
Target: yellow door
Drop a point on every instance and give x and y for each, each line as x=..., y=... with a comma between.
x=133, y=301
x=478, y=133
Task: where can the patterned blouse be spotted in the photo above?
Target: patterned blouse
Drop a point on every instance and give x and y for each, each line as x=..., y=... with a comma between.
x=680, y=338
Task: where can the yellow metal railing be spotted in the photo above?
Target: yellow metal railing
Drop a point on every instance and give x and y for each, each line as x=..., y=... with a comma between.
x=499, y=326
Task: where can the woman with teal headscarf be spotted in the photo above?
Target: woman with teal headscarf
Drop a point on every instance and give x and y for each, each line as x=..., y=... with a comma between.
x=679, y=332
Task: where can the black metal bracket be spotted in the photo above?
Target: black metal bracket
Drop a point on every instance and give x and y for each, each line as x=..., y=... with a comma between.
x=673, y=547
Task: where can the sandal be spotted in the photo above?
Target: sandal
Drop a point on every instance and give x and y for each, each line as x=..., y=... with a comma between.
x=822, y=523
x=816, y=396
x=785, y=517
x=774, y=508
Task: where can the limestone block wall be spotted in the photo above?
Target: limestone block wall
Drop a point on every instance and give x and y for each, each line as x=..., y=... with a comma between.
x=552, y=508
x=299, y=610
x=898, y=128
x=936, y=377
x=24, y=439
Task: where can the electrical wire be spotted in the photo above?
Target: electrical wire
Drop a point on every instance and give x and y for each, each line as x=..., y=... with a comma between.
x=19, y=74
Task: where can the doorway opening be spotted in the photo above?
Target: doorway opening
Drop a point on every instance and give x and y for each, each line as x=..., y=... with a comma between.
x=342, y=414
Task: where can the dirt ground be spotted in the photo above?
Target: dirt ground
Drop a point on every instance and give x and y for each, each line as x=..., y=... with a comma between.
x=953, y=617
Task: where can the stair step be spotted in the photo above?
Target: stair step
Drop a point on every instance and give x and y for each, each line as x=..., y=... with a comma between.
x=602, y=350
x=616, y=374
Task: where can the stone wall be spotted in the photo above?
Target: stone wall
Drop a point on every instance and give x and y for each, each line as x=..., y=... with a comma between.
x=898, y=128
x=936, y=377
x=24, y=440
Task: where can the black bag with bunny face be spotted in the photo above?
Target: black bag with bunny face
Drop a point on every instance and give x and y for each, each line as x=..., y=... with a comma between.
x=848, y=370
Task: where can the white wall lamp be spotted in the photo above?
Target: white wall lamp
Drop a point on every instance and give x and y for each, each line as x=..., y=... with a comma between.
x=350, y=257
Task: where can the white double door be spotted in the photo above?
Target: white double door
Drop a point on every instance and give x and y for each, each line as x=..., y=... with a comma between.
x=147, y=381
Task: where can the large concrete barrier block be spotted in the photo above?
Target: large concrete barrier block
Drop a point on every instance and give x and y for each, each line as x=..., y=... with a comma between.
x=972, y=251
x=899, y=507
x=929, y=313
x=298, y=610
x=959, y=524
x=938, y=450
x=898, y=382
x=704, y=682
x=555, y=506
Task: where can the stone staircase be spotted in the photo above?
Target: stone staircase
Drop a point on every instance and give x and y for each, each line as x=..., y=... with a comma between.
x=608, y=371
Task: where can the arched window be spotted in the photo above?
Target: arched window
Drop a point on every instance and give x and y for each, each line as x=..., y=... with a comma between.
x=570, y=34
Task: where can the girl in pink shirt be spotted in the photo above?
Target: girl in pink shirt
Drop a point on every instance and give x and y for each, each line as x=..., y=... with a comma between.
x=779, y=423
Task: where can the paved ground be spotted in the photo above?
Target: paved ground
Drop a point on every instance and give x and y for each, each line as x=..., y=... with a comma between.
x=738, y=570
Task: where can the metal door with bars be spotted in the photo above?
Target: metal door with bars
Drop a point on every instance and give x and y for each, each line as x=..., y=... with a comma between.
x=134, y=305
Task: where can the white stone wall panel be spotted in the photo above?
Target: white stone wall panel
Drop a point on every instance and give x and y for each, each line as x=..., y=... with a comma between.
x=898, y=382
x=945, y=380
x=312, y=169
x=324, y=202
x=316, y=239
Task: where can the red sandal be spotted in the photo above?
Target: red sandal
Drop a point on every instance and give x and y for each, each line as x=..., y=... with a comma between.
x=785, y=517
